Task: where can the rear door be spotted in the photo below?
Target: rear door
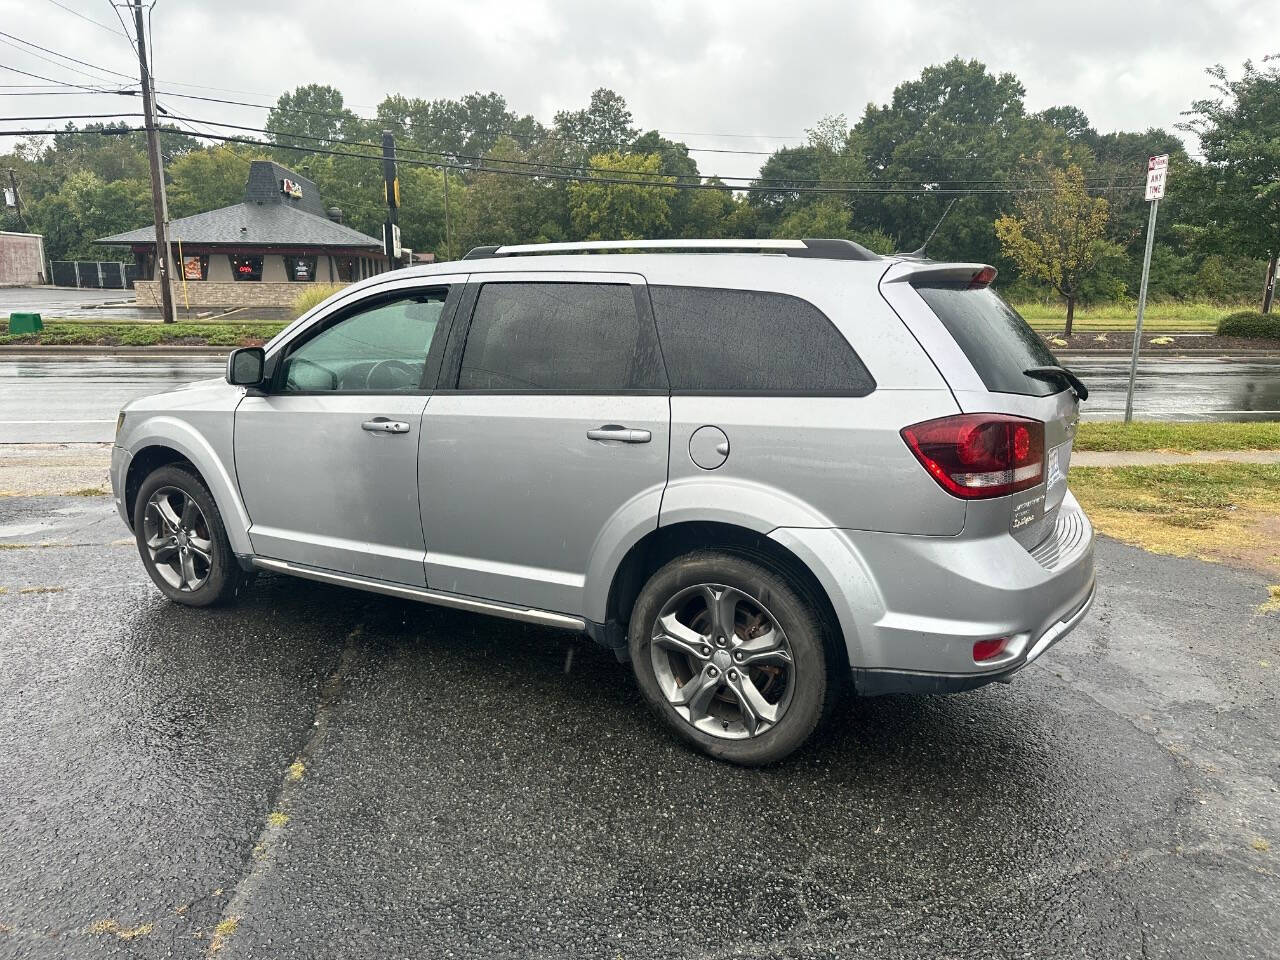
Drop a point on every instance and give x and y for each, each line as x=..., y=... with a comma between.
x=982, y=346
x=551, y=426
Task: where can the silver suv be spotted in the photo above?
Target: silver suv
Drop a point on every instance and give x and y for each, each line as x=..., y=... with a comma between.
x=763, y=472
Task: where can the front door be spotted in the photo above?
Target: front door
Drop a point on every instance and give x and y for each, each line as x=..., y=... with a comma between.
x=327, y=458
x=554, y=429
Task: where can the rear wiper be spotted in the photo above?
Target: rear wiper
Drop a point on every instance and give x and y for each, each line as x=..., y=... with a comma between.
x=1062, y=375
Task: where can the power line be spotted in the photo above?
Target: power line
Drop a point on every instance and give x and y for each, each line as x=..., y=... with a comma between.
x=96, y=23
x=65, y=83
x=64, y=56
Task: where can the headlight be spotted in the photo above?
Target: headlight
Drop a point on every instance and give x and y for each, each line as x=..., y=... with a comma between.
x=119, y=423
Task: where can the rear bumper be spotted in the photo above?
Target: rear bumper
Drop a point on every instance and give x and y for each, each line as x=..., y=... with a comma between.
x=873, y=683
x=911, y=608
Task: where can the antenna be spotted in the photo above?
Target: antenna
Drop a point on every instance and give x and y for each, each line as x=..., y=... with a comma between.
x=919, y=253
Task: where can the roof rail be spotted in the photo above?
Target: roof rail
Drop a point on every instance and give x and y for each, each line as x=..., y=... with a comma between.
x=815, y=248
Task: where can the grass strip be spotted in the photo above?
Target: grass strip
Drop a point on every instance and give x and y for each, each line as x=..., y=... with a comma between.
x=1177, y=437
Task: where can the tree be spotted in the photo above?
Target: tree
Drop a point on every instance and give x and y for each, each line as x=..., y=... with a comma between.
x=207, y=179
x=1056, y=234
x=311, y=116
x=1239, y=185
x=632, y=210
x=605, y=125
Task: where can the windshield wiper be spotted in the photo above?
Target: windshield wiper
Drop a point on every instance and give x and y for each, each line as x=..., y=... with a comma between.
x=1061, y=375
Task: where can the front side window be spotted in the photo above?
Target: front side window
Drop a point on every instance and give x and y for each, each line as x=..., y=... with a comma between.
x=575, y=337
x=246, y=268
x=381, y=348
x=749, y=341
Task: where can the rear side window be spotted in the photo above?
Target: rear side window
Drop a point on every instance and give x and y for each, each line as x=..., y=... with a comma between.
x=993, y=335
x=576, y=337
x=747, y=341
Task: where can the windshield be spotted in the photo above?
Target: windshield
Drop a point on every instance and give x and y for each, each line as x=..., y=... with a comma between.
x=993, y=335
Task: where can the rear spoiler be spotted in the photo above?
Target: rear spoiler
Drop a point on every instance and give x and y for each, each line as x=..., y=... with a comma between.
x=975, y=275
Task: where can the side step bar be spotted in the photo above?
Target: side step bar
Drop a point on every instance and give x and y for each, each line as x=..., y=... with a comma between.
x=526, y=614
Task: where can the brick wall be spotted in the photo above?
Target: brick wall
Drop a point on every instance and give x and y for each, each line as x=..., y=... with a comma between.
x=211, y=293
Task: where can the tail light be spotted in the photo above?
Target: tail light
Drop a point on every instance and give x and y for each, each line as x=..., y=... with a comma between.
x=989, y=649
x=980, y=455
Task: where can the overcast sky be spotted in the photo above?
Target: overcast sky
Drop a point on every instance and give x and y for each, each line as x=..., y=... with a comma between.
x=701, y=71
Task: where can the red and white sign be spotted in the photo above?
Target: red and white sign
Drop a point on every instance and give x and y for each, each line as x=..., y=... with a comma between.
x=1157, y=167
x=291, y=188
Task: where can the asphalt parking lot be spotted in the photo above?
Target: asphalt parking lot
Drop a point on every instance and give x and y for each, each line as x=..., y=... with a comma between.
x=322, y=773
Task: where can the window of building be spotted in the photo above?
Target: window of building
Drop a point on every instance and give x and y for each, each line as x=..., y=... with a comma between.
x=382, y=349
x=575, y=337
x=747, y=341
x=348, y=268
x=300, y=269
x=195, y=266
x=246, y=268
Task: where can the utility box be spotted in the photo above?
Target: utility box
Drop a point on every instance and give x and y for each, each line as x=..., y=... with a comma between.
x=25, y=323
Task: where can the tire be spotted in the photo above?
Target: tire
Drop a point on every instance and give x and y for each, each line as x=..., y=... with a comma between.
x=217, y=579
x=792, y=698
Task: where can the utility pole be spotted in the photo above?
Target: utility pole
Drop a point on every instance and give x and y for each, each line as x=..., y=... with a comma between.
x=391, y=183
x=448, y=233
x=159, y=201
x=17, y=197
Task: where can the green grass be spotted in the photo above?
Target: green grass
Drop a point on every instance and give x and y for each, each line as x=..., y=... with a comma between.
x=1180, y=317
x=76, y=333
x=1178, y=437
x=1222, y=512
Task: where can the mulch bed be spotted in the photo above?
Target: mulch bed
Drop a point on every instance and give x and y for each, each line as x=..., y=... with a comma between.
x=1180, y=343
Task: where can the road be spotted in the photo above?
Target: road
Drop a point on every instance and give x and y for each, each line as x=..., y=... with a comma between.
x=57, y=400
x=321, y=773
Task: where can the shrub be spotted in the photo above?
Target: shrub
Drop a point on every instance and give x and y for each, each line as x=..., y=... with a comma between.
x=1250, y=323
x=314, y=295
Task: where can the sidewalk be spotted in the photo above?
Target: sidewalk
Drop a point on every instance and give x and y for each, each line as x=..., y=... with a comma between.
x=1161, y=458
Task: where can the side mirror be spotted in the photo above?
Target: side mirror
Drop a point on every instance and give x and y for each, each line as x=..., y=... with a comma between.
x=245, y=366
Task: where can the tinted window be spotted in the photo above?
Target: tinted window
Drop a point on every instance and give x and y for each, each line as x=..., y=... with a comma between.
x=993, y=336
x=381, y=349
x=558, y=336
x=745, y=341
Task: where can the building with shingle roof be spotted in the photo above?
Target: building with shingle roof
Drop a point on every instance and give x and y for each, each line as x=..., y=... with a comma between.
x=281, y=235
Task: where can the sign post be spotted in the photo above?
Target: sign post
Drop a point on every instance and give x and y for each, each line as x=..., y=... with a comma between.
x=1157, y=167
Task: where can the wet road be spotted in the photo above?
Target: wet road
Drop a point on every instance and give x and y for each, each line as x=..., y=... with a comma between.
x=58, y=400
x=318, y=772
x=66, y=302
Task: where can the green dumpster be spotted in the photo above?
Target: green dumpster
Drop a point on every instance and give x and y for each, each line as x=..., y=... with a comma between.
x=25, y=323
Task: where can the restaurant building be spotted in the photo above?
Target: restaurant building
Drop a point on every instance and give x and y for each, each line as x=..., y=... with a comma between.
x=259, y=252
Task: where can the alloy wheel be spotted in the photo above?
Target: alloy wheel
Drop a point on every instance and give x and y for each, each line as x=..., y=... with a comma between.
x=722, y=661
x=178, y=539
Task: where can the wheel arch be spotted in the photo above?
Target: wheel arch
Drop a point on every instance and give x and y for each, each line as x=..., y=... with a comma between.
x=665, y=543
x=167, y=440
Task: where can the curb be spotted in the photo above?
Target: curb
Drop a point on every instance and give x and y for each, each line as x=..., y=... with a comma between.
x=49, y=351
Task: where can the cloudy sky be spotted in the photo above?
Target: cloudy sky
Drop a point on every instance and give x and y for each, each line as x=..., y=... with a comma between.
x=739, y=75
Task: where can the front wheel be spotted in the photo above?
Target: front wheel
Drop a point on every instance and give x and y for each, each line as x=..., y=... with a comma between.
x=730, y=656
x=182, y=541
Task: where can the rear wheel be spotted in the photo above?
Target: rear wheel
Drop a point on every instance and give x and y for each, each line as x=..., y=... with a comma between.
x=731, y=657
x=182, y=541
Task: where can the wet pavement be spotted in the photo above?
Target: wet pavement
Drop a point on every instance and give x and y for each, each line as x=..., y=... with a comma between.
x=317, y=772
x=68, y=302
x=75, y=399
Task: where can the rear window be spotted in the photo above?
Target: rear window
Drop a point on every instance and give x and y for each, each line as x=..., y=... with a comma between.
x=747, y=341
x=993, y=335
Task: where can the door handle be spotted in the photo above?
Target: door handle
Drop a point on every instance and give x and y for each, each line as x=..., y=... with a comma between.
x=611, y=431
x=383, y=425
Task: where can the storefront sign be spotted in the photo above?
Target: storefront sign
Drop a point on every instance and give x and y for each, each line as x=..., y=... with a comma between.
x=291, y=188
x=192, y=268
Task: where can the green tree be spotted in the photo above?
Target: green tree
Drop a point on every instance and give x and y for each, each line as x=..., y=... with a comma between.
x=1056, y=234
x=312, y=115
x=605, y=125
x=1239, y=185
x=207, y=179
x=632, y=210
